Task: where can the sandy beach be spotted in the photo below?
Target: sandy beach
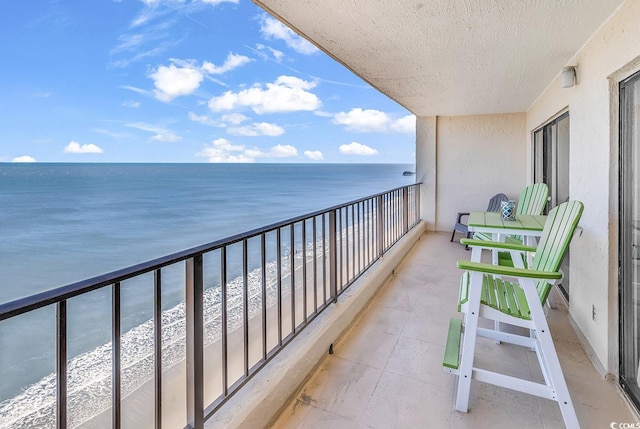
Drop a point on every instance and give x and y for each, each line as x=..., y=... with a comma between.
x=137, y=407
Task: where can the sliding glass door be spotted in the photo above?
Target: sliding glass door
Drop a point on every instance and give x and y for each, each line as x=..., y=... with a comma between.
x=630, y=236
x=551, y=166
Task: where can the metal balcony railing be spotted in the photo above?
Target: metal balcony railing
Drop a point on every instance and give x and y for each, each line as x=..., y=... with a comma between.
x=245, y=298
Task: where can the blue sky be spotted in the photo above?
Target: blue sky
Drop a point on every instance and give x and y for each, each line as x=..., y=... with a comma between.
x=182, y=81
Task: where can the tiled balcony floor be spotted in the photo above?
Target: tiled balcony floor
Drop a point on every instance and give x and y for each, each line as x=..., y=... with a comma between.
x=386, y=371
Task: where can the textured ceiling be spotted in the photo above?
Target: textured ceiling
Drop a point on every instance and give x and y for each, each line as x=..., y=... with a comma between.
x=449, y=57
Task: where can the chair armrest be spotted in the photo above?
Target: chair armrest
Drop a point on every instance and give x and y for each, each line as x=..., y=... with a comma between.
x=484, y=244
x=508, y=271
x=460, y=214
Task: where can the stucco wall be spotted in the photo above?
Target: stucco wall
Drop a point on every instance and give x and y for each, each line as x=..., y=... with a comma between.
x=592, y=105
x=426, y=168
x=469, y=159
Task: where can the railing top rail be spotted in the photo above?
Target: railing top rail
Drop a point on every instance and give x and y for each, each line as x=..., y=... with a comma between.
x=52, y=296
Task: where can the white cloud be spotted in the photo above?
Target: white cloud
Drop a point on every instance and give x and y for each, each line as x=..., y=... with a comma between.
x=222, y=150
x=271, y=28
x=283, y=151
x=132, y=104
x=277, y=151
x=42, y=94
x=267, y=52
x=205, y=120
x=362, y=121
x=355, y=148
x=135, y=89
x=257, y=129
x=234, y=118
x=24, y=158
x=315, y=155
x=286, y=94
x=75, y=147
x=129, y=42
x=112, y=134
x=160, y=134
x=372, y=121
x=215, y=2
x=277, y=55
x=233, y=61
x=406, y=124
x=183, y=77
x=172, y=81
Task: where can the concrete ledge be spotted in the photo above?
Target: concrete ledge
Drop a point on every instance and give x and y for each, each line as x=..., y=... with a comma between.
x=261, y=400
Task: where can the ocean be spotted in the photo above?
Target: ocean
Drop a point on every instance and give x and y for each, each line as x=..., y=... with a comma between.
x=62, y=223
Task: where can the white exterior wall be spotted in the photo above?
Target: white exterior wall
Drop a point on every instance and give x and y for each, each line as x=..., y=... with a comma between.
x=610, y=55
x=426, y=168
x=464, y=160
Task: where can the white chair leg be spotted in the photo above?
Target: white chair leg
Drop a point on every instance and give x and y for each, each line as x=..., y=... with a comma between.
x=469, y=343
x=549, y=360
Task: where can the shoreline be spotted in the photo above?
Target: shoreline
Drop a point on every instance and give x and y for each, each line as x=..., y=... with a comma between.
x=138, y=406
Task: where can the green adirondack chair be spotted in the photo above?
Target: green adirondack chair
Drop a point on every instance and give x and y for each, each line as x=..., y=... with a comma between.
x=532, y=201
x=485, y=292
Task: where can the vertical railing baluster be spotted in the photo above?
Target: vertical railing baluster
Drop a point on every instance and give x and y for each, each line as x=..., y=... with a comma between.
x=353, y=241
x=333, y=288
x=115, y=358
x=394, y=216
x=370, y=235
x=360, y=222
x=347, y=248
x=405, y=210
x=324, y=259
x=380, y=225
x=398, y=222
x=369, y=229
x=315, y=264
x=397, y=214
x=279, y=282
x=292, y=269
x=263, y=269
x=61, y=365
x=157, y=345
x=195, y=341
x=304, y=270
x=245, y=309
x=339, y=257
x=224, y=321
x=418, y=203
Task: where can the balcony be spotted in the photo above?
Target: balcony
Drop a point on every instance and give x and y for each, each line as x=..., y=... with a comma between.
x=365, y=330
x=386, y=371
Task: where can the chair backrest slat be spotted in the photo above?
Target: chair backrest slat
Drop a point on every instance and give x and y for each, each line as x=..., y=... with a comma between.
x=494, y=202
x=533, y=199
x=554, y=242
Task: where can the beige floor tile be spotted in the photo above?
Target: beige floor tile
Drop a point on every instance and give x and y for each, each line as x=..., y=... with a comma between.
x=493, y=407
x=428, y=326
x=367, y=345
x=341, y=387
x=403, y=402
x=384, y=319
x=304, y=416
x=421, y=361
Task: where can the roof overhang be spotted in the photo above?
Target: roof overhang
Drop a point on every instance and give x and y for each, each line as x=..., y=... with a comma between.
x=443, y=57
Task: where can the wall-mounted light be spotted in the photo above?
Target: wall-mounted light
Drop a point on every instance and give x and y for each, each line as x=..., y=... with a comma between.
x=568, y=76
